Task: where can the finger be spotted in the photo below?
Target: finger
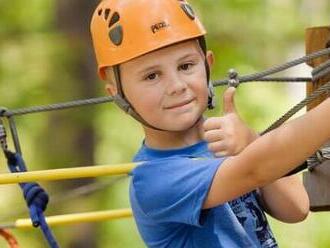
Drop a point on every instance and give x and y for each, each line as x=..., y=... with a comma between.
x=214, y=135
x=229, y=101
x=221, y=154
x=216, y=147
x=212, y=123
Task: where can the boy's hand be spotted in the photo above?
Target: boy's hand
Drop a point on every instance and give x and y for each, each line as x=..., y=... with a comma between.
x=227, y=135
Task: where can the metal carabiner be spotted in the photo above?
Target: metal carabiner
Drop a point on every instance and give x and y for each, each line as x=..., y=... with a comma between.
x=3, y=136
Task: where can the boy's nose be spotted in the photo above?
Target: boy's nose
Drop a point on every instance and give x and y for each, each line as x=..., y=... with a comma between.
x=175, y=85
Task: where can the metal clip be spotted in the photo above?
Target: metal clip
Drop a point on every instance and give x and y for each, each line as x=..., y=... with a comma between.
x=211, y=96
x=3, y=136
x=233, y=78
x=319, y=158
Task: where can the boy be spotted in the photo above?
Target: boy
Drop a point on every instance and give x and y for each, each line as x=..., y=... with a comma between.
x=157, y=69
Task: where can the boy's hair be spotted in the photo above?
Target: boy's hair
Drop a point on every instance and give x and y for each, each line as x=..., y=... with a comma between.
x=125, y=29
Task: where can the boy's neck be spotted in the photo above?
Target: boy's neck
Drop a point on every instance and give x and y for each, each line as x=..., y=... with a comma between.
x=173, y=139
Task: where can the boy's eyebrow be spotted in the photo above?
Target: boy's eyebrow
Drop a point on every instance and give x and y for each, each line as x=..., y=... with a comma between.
x=153, y=67
x=150, y=68
x=188, y=56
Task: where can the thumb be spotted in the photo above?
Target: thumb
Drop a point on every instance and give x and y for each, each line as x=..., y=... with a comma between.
x=228, y=101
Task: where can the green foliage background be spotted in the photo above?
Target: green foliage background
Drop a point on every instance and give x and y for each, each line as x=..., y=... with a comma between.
x=35, y=68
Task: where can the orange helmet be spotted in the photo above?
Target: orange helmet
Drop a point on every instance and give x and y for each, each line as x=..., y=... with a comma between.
x=125, y=29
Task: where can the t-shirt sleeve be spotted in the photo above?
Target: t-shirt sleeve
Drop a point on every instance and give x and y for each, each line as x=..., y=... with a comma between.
x=174, y=189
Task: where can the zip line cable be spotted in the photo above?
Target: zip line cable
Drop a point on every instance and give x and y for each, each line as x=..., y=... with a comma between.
x=276, y=69
x=318, y=92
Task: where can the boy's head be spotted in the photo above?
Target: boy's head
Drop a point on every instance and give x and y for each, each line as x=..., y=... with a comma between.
x=139, y=44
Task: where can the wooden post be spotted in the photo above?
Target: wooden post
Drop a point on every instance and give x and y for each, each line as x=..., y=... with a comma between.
x=317, y=182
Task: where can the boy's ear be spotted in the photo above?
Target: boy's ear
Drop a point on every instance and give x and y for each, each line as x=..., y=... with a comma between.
x=210, y=58
x=110, y=86
x=111, y=89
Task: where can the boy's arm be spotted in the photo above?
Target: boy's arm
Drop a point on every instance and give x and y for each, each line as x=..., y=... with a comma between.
x=286, y=199
x=270, y=156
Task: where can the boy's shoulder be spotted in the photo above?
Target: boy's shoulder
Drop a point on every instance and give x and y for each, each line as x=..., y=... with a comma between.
x=168, y=189
x=173, y=177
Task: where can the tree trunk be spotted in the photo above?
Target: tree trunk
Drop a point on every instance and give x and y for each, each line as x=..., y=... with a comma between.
x=70, y=133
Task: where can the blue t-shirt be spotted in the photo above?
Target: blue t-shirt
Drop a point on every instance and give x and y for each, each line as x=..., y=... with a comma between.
x=167, y=194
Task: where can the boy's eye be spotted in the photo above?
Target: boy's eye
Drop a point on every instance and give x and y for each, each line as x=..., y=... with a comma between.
x=151, y=76
x=186, y=66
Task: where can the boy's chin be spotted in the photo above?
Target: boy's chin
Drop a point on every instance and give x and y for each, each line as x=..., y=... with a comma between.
x=179, y=125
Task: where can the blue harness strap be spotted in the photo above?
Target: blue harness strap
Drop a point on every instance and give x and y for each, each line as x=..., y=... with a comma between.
x=35, y=196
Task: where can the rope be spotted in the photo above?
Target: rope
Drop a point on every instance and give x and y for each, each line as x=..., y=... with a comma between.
x=68, y=173
x=322, y=154
x=55, y=106
x=67, y=219
x=225, y=82
x=12, y=242
x=321, y=71
x=321, y=90
x=276, y=69
x=35, y=197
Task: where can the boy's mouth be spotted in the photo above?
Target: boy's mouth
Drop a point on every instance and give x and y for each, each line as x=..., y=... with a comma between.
x=179, y=104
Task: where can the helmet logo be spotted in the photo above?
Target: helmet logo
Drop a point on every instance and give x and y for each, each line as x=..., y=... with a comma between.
x=115, y=33
x=158, y=26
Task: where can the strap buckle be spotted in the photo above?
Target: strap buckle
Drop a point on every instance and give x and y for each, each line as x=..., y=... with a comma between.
x=3, y=133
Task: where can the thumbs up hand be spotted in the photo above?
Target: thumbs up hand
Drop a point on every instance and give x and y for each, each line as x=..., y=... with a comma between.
x=227, y=135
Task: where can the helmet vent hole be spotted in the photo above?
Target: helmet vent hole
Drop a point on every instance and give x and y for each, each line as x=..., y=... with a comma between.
x=188, y=10
x=100, y=12
x=116, y=35
x=106, y=13
x=114, y=19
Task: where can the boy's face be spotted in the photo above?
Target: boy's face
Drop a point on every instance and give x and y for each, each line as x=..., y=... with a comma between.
x=167, y=87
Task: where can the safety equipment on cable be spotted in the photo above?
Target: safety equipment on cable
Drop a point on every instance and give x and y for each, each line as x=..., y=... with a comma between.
x=35, y=196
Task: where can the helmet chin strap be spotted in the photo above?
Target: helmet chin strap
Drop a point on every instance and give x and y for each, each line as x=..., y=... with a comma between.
x=211, y=100
x=125, y=105
x=210, y=88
